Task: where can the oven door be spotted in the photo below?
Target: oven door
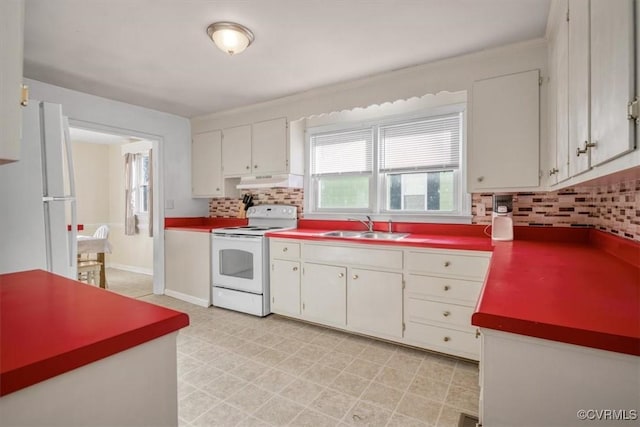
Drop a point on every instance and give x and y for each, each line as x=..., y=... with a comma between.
x=237, y=262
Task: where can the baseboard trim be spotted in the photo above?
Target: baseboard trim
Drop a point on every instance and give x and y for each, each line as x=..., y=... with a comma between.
x=131, y=268
x=187, y=298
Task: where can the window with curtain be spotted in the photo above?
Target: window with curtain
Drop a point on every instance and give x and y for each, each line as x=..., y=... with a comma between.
x=409, y=166
x=140, y=187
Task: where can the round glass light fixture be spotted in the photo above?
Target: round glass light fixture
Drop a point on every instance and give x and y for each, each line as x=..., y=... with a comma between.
x=230, y=37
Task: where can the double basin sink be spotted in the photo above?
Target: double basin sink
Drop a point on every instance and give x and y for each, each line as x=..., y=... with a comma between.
x=379, y=235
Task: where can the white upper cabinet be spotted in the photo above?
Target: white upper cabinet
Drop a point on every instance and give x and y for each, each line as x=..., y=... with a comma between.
x=236, y=151
x=206, y=165
x=259, y=149
x=11, y=45
x=578, y=82
x=612, y=78
x=504, y=149
x=269, y=147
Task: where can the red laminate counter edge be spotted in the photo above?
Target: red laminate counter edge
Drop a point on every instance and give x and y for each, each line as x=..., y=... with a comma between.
x=201, y=224
x=578, y=286
x=50, y=325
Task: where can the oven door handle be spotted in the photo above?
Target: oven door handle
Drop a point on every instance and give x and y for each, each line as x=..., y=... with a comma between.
x=236, y=237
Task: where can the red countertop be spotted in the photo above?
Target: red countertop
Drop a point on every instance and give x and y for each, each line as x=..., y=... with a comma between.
x=573, y=285
x=50, y=325
x=203, y=224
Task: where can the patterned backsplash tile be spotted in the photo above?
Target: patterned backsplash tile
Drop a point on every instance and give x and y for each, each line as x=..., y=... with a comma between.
x=613, y=208
x=228, y=207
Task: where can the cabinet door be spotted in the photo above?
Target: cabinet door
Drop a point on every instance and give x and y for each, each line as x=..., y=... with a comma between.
x=552, y=112
x=612, y=78
x=206, y=165
x=285, y=287
x=374, y=302
x=236, y=151
x=324, y=293
x=269, y=147
x=504, y=149
x=11, y=38
x=578, y=79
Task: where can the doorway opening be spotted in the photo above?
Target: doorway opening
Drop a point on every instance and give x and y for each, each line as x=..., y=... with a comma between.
x=114, y=175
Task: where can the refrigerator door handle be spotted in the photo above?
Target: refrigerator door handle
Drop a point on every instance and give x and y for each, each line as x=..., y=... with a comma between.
x=73, y=239
x=58, y=199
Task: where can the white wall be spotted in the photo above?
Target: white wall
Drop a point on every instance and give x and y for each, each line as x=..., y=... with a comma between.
x=172, y=132
x=452, y=75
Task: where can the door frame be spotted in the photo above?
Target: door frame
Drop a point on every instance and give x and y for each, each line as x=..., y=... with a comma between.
x=158, y=190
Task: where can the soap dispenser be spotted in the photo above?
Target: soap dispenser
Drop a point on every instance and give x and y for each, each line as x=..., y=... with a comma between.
x=502, y=218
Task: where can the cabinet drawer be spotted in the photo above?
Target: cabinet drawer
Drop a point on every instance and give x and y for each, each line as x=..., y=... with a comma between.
x=346, y=255
x=458, y=291
x=448, y=263
x=457, y=316
x=285, y=249
x=445, y=340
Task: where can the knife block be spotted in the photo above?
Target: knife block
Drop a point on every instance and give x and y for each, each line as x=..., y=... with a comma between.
x=241, y=212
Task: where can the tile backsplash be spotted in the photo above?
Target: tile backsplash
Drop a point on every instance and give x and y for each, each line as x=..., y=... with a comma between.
x=227, y=207
x=614, y=208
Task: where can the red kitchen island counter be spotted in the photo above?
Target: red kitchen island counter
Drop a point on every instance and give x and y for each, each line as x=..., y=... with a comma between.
x=73, y=354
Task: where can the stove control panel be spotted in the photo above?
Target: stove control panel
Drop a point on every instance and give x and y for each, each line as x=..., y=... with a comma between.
x=273, y=211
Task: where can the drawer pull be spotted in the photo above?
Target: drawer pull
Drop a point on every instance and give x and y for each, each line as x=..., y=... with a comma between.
x=447, y=263
x=295, y=268
x=477, y=333
x=285, y=249
x=341, y=275
x=446, y=313
x=355, y=277
x=446, y=339
x=447, y=287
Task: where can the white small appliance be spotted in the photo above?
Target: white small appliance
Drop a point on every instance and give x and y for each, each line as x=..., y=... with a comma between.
x=240, y=259
x=502, y=217
x=39, y=227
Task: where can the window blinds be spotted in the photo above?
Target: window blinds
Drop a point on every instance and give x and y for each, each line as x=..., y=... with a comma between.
x=342, y=152
x=428, y=144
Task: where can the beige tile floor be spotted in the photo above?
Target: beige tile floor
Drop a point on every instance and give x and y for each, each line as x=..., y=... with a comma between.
x=240, y=370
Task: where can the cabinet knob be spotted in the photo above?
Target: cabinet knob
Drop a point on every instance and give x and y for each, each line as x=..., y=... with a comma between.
x=285, y=249
x=295, y=268
x=355, y=277
x=217, y=189
x=248, y=167
x=587, y=145
x=480, y=178
x=447, y=263
x=446, y=313
x=255, y=166
x=447, y=287
x=477, y=333
x=341, y=275
x=553, y=171
x=446, y=339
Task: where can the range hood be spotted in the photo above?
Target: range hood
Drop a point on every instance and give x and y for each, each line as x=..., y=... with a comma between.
x=271, y=181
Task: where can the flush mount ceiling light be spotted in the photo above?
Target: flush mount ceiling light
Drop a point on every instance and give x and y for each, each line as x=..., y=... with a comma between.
x=230, y=37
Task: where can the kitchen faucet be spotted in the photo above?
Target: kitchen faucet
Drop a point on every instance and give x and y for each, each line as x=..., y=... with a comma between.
x=368, y=223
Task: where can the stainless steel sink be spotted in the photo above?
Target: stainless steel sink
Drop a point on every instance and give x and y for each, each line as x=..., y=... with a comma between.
x=382, y=235
x=340, y=233
x=366, y=234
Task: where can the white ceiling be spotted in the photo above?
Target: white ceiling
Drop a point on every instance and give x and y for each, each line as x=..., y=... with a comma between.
x=156, y=53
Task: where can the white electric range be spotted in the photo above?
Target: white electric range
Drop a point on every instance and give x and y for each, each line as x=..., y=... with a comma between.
x=240, y=259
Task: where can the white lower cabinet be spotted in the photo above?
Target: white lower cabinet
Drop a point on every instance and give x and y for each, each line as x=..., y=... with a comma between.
x=324, y=293
x=374, y=302
x=420, y=297
x=285, y=287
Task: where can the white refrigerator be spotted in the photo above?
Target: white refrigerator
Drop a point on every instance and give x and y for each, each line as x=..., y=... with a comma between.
x=38, y=225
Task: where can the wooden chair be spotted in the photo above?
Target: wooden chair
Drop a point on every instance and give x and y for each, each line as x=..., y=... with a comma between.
x=90, y=267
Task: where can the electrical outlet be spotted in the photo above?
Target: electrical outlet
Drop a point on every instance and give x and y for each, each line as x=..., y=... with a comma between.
x=480, y=209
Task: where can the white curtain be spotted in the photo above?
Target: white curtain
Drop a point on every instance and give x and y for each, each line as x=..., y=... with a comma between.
x=129, y=213
x=150, y=193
